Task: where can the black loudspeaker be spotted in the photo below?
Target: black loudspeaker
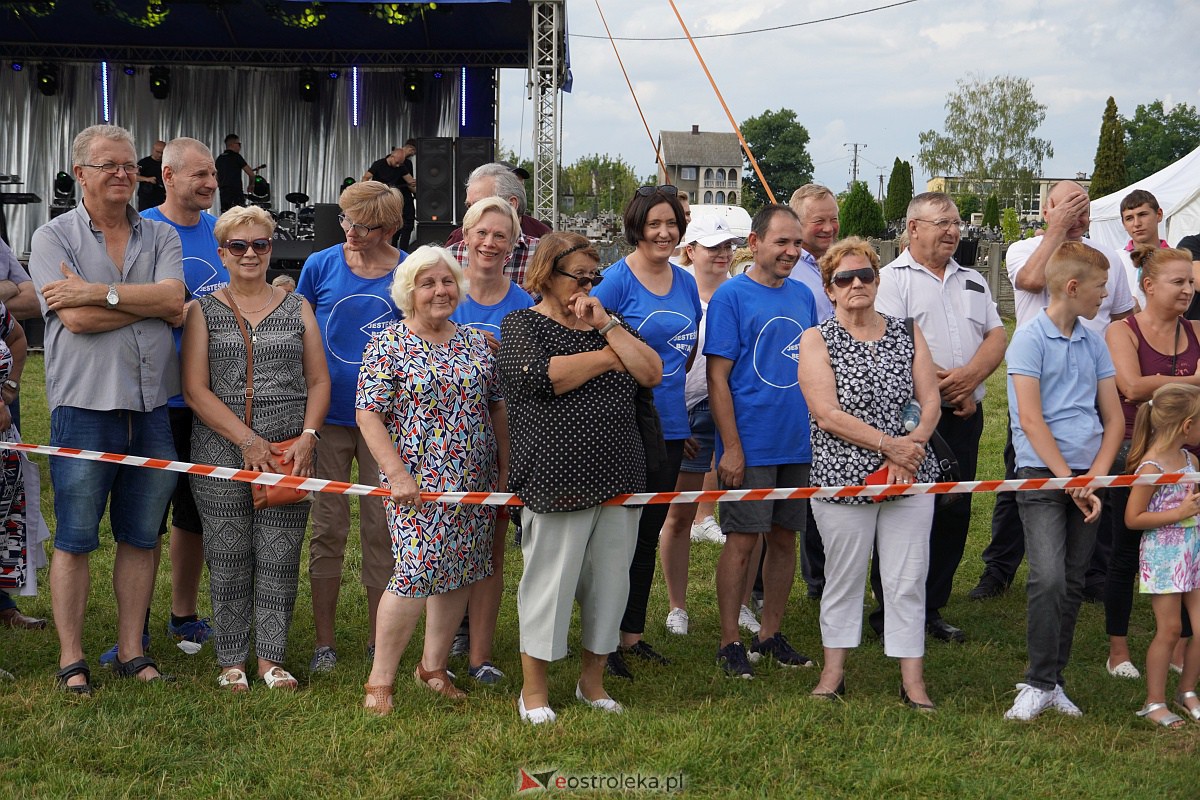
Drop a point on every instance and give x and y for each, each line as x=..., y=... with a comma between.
x=434, y=233
x=469, y=153
x=435, y=180
x=326, y=230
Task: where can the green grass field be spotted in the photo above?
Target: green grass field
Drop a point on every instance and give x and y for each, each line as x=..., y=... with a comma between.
x=764, y=738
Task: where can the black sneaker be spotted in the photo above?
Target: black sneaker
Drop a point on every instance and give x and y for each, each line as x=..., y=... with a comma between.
x=617, y=667
x=778, y=648
x=646, y=653
x=989, y=586
x=732, y=658
x=1093, y=593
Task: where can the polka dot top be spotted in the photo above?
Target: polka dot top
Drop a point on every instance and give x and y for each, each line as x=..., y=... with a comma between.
x=575, y=450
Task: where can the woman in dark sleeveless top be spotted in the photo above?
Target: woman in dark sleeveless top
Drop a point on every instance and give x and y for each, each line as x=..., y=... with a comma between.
x=1154, y=347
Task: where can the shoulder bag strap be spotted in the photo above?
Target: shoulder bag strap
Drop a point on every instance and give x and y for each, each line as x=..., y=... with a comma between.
x=242, y=329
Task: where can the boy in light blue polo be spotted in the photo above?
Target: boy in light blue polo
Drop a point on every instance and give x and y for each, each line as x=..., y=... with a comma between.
x=1059, y=374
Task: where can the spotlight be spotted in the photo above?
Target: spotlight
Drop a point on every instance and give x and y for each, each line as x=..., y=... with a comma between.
x=308, y=86
x=414, y=88
x=64, y=189
x=160, y=82
x=334, y=74
x=47, y=79
x=17, y=66
x=437, y=75
x=347, y=182
x=130, y=70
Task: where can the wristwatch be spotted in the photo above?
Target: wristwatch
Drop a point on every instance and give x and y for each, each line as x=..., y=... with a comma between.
x=313, y=431
x=112, y=298
x=11, y=384
x=613, y=321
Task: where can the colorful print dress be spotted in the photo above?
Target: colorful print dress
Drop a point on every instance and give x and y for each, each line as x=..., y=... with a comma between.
x=434, y=399
x=1170, y=555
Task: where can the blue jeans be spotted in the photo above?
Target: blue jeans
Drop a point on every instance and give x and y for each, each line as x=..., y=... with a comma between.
x=1058, y=546
x=82, y=489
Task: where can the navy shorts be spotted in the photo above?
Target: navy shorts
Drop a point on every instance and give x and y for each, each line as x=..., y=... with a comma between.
x=704, y=431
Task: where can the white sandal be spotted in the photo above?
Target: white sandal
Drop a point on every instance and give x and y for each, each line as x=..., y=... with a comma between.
x=1181, y=699
x=1125, y=669
x=604, y=703
x=234, y=680
x=279, y=678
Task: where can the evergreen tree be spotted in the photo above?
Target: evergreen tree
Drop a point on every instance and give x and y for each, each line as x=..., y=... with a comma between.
x=1108, y=174
x=1011, y=225
x=899, y=191
x=991, y=212
x=860, y=214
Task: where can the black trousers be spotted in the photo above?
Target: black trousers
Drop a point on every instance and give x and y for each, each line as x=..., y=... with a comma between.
x=951, y=523
x=645, y=554
x=812, y=556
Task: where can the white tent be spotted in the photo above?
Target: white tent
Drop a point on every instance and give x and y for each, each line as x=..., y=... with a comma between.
x=1177, y=189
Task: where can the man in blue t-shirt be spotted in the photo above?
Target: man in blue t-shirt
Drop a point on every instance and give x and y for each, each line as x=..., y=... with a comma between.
x=754, y=324
x=190, y=180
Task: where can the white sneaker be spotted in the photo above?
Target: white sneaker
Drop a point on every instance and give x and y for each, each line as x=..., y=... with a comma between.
x=747, y=622
x=707, y=530
x=677, y=622
x=1031, y=701
x=1063, y=704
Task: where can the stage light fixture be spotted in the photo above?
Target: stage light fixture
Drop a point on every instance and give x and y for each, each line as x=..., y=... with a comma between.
x=414, y=86
x=437, y=75
x=47, y=79
x=130, y=70
x=17, y=66
x=334, y=74
x=308, y=86
x=347, y=182
x=64, y=189
x=160, y=82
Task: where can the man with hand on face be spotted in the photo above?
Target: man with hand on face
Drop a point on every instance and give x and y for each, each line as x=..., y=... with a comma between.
x=954, y=309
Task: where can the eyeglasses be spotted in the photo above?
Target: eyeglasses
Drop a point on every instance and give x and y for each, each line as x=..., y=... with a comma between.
x=941, y=224
x=109, y=168
x=239, y=246
x=582, y=280
x=723, y=247
x=356, y=227
x=844, y=279
x=666, y=188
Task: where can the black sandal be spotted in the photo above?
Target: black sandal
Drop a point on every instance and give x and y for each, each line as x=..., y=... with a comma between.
x=69, y=671
x=134, y=666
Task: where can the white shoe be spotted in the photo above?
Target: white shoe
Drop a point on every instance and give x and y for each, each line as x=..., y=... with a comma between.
x=1125, y=669
x=604, y=703
x=535, y=716
x=707, y=530
x=747, y=622
x=677, y=622
x=1063, y=704
x=1031, y=701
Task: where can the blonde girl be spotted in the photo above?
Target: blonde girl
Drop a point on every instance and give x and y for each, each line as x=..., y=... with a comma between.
x=1169, y=568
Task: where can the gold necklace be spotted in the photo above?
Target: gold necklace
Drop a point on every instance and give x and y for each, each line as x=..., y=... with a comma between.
x=270, y=297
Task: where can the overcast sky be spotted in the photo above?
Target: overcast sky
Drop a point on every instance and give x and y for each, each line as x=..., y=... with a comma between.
x=878, y=78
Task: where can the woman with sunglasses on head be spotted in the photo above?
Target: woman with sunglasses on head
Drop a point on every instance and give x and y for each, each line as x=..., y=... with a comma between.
x=660, y=301
x=253, y=555
x=858, y=370
x=349, y=288
x=570, y=372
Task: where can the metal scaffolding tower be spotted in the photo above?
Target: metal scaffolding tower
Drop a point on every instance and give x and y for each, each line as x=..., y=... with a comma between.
x=547, y=75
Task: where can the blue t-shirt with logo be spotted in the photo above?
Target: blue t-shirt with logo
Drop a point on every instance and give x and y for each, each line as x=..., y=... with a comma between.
x=758, y=328
x=203, y=271
x=488, y=318
x=669, y=323
x=349, y=310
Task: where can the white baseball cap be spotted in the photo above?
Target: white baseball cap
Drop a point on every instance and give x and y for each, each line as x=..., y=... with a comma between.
x=710, y=230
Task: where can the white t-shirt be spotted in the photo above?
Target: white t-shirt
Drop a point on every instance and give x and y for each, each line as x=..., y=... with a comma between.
x=1028, y=304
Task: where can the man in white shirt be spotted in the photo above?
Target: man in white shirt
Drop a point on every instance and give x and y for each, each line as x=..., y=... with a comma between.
x=1068, y=214
x=955, y=311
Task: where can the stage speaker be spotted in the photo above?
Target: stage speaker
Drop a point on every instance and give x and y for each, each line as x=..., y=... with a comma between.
x=435, y=180
x=434, y=233
x=326, y=230
x=469, y=152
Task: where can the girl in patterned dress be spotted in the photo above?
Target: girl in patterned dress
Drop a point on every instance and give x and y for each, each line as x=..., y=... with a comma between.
x=1170, y=548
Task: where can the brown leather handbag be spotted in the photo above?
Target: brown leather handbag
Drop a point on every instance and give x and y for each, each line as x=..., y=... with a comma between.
x=264, y=496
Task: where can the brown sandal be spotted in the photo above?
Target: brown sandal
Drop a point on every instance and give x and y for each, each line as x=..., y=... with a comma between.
x=383, y=699
x=438, y=681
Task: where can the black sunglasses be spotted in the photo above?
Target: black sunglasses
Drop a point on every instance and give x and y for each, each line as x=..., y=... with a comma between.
x=666, y=188
x=239, y=246
x=582, y=280
x=844, y=279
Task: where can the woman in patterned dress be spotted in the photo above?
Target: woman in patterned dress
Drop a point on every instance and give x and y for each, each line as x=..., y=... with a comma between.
x=858, y=370
x=253, y=556
x=430, y=410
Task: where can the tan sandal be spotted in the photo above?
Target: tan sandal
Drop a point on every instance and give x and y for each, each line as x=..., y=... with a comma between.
x=438, y=681
x=383, y=699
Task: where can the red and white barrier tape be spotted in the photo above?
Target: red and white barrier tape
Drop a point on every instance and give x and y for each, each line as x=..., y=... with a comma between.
x=642, y=498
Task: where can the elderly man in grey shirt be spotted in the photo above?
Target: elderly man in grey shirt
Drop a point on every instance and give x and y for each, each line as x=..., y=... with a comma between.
x=111, y=287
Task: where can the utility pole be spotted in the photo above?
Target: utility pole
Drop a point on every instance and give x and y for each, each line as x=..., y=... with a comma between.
x=854, y=162
x=882, y=172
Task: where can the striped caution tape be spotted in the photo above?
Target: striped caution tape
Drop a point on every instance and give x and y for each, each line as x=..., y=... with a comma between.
x=639, y=499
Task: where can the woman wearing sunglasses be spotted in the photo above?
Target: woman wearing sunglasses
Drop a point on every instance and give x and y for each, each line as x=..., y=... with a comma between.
x=253, y=555
x=349, y=288
x=858, y=370
x=570, y=372
x=660, y=301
